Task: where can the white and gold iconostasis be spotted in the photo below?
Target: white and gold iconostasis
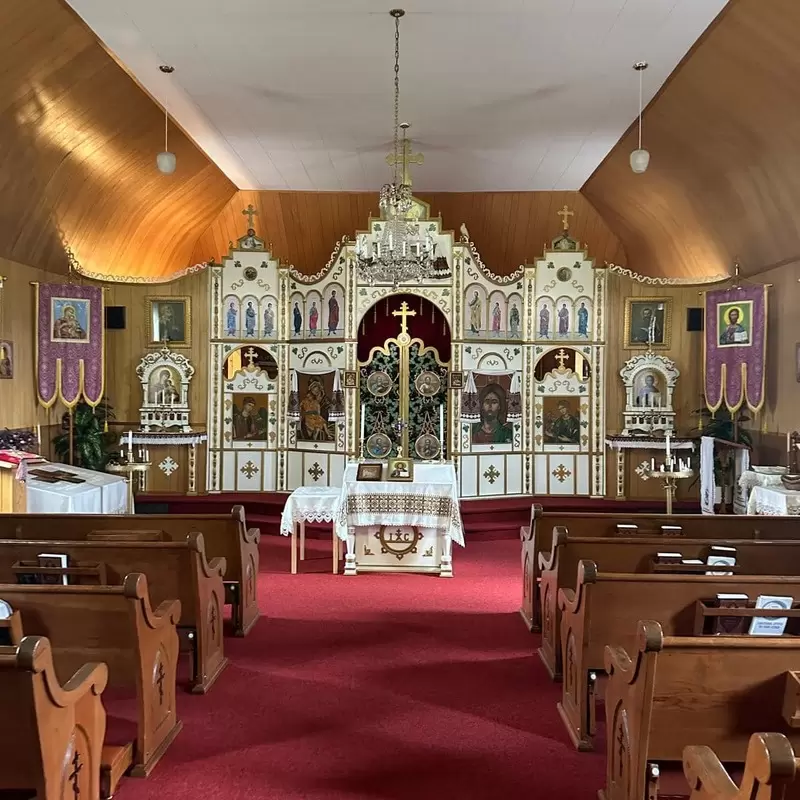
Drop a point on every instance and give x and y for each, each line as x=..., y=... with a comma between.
x=513, y=384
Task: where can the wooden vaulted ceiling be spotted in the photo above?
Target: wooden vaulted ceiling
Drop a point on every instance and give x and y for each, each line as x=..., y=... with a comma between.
x=77, y=163
x=77, y=168
x=724, y=136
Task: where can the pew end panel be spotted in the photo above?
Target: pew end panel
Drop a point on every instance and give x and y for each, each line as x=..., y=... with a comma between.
x=791, y=699
x=11, y=630
x=51, y=735
x=549, y=566
x=770, y=771
x=528, y=538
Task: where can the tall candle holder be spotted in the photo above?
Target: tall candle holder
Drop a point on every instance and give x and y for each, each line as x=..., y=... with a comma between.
x=670, y=472
x=130, y=467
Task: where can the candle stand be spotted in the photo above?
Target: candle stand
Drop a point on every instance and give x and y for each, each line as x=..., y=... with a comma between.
x=129, y=469
x=670, y=479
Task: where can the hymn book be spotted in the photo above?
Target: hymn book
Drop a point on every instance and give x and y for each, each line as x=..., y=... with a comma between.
x=56, y=561
x=719, y=556
x=731, y=626
x=770, y=626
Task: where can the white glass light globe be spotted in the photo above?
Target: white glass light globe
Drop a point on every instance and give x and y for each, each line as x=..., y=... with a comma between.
x=166, y=162
x=640, y=159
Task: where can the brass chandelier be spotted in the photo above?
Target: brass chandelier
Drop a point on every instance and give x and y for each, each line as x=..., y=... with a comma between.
x=403, y=252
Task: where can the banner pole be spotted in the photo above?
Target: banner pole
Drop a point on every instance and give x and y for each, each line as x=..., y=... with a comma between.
x=71, y=436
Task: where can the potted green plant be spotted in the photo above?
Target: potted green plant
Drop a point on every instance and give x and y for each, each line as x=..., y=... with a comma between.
x=92, y=445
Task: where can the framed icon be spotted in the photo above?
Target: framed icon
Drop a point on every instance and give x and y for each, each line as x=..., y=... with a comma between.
x=428, y=383
x=456, y=380
x=401, y=469
x=427, y=447
x=370, y=471
x=379, y=445
x=169, y=321
x=350, y=380
x=646, y=318
x=6, y=359
x=379, y=383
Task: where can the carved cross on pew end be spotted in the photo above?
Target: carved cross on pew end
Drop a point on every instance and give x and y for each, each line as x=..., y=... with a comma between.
x=160, y=675
x=77, y=766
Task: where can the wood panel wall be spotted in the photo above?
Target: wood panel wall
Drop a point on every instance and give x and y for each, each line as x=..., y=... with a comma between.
x=724, y=177
x=509, y=228
x=124, y=348
x=77, y=165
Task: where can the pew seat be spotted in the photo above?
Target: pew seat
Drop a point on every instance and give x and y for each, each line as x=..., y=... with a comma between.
x=669, y=691
x=226, y=536
x=116, y=625
x=770, y=771
x=537, y=537
x=51, y=734
x=175, y=571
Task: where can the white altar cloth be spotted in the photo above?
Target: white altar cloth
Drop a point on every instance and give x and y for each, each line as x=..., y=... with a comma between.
x=101, y=494
x=401, y=526
x=310, y=504
x=774, y=501
x=429, y=501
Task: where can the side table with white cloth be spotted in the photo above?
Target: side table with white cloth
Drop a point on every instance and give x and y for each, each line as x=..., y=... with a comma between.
x=758, y=476
x=774, y=501
x=396, y=526
x=100, y=493
x=310, y=504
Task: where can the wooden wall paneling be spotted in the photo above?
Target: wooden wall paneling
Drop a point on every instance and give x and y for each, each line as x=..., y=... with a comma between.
x=77, y=166
x=509, y=228
x=722, y=183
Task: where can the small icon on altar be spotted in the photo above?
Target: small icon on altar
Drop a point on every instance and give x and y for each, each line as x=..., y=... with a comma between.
x=401, y=469
x=369, y=472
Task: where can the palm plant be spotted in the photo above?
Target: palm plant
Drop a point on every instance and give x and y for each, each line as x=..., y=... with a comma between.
x=91, y=444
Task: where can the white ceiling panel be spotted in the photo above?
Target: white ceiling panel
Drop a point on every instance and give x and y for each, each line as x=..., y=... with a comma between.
x=512, y=95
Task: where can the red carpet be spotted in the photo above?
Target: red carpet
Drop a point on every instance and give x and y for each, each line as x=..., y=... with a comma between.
x=379, y=686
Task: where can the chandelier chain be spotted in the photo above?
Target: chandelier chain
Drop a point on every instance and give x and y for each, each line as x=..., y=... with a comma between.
x=396, y=91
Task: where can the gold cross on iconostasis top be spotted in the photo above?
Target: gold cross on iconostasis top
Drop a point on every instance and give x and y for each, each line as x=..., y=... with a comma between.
x=561, y=358
x=404, y=312
x=250, y=212
x=405, y=158
x=565, y=214
x=251, y=356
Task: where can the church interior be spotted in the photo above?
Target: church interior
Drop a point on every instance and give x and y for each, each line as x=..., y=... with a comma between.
x=393, y=419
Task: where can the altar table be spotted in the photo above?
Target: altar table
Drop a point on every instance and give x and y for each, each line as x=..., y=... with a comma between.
x=774, y=501
x=397, y=526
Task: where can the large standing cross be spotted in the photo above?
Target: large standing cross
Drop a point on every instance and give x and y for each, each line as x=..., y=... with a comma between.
x=565, y=214
x=404, y=159
x=404, y=312
x=250, y=212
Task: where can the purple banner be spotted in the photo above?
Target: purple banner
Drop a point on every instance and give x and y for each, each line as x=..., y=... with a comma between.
x=735, y=347
x=69, y=344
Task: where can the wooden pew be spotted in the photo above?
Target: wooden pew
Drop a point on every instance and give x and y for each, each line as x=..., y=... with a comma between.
x=557, y=569
x=537, y=538
x=770, y=771
x=673, y=690
x=174, y=570
x=604, y=609
x=225, y=535
x=51, y=736
x=139, y=645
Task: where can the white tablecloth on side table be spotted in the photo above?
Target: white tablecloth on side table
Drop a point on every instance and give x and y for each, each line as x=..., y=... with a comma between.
x=310, y=504
x=774, y=501
x=101, y=494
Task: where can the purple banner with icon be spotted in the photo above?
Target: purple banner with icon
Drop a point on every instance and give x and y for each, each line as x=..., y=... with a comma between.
x=69, y=344
x=735, y=347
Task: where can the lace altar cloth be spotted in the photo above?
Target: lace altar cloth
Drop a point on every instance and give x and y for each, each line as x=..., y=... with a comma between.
x=749, y=480
x=310, y=504
x=429, y=501
x=160, y=437
x=773, y=501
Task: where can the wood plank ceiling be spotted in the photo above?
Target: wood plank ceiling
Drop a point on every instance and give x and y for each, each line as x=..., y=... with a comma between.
x=77, y=166
x=724, y=136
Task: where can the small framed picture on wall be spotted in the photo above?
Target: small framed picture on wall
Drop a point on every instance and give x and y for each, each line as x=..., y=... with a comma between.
x=169, y=321
x=648, y=319
x=6, y=359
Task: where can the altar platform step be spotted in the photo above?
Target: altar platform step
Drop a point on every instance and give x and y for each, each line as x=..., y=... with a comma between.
x=490, y=518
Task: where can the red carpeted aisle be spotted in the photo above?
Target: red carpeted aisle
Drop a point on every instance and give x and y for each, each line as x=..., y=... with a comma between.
x=379, y=686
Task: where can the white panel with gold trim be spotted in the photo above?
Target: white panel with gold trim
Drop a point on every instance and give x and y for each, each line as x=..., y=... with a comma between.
x=468, y=472
x=492, y=475
x=540, y=482
x=561, y=474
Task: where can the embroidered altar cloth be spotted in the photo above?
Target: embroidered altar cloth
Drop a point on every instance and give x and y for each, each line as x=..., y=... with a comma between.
x=774, y=501
x=429, y=501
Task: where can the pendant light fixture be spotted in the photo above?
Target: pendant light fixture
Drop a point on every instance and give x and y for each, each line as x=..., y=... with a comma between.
x=166, y=161
x=640, y=159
